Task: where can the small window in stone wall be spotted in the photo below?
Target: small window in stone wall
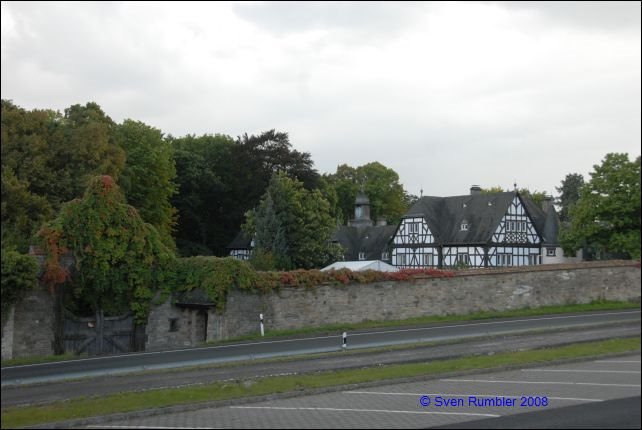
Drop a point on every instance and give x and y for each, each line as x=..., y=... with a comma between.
x=173, y=324
x=550, y=252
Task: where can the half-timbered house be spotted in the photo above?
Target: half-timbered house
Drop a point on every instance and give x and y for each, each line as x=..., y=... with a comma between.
x=241, y=247
x=476, y=230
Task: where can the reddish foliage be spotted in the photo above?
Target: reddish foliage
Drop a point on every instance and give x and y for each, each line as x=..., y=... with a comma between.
x=108, y=182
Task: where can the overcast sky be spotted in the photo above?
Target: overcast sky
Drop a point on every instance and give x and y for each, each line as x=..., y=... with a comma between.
x=446, y=94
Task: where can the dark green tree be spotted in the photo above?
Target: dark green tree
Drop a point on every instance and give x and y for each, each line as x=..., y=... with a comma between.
x=207, y=213
x=293, y=225
x=606, y=217
x=220, y=179
x=569, y=194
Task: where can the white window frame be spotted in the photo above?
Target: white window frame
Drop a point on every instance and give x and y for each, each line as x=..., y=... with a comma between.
x=464, y=226
x=362, y=256
x=550, y=252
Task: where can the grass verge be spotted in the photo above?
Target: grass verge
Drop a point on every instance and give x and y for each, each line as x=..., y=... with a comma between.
x=128, y=402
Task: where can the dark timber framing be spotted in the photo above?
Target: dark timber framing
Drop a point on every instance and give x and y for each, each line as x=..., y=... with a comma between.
x=479, y=230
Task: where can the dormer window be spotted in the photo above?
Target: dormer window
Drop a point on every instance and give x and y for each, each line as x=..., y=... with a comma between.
x=362, y=256
x=464, y=226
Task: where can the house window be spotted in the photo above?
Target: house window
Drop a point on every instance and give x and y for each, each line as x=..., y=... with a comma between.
x=550, y=252
x=463, y=259
x=385, y=256
x=428, y=260
x=464, y=226
x=413, y=228
x=362, y=256
x=173, y=324
x=504, y=259
x=401, y=259
x=533, y=260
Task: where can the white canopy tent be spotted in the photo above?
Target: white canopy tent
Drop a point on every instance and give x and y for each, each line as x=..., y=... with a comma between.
x=356, y=266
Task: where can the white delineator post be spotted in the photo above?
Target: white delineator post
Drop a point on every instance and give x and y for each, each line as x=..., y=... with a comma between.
x=261, y=318
x=345, y=340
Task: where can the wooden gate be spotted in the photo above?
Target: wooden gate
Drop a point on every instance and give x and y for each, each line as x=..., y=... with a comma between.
x=100, y=335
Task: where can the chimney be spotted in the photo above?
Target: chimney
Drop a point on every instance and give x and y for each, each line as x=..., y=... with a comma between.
x=475, y=190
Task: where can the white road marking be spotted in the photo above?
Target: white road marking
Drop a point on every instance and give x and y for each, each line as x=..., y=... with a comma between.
x=145, y=427
x=467, y=395
x=580, y=371
x=364, y=410
x=617, y=361
x=539, y=382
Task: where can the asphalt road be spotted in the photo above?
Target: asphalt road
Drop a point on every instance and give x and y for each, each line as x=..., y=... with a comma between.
x=599, y=393
x=111, y=365
x=17, y=395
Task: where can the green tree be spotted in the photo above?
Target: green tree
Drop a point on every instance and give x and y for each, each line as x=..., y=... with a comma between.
x=22, y=212
x=47, y=158
x=207, y=213
x=119, y=260
x=220, y=179
x=606, y=217
x=147, y=178
x=18, y=276
x=493, y=190
x=537, y=197
x=569, y=194
x=293, y=225
x=387, y=196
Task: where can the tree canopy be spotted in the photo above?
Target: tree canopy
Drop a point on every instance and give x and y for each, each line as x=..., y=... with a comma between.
x=387, y=196
x=147, y=178
x=293, y=225
x=606, y=216
x=220, y=179
x=569, y=194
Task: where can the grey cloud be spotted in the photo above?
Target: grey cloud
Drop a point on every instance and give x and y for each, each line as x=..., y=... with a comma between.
x=368, y=17
x=591, y=15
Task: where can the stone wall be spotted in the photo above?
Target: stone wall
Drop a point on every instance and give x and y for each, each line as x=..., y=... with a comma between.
x=469, y=291
x=29, y=329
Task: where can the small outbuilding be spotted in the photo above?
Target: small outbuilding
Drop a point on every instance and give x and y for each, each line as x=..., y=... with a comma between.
x=357, y=266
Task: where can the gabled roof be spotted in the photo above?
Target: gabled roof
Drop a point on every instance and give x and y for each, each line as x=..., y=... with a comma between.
x=444, y=216
x=372, y=240
x=241, y=241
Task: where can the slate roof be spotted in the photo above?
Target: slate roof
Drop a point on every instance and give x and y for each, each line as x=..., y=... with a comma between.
x=372, y=240
x=241, y=241
x=482, y=213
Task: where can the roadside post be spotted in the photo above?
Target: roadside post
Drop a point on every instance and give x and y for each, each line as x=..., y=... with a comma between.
x=262, y=331
x=345, y=341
